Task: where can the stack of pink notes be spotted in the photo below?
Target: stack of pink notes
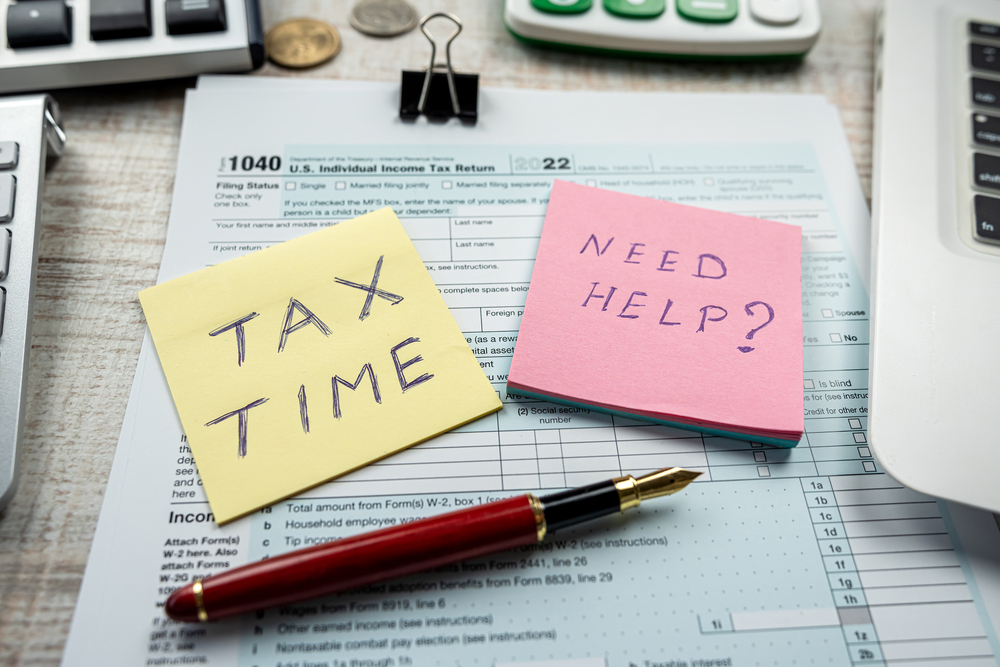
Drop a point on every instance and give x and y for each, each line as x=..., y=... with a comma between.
x=667, y=313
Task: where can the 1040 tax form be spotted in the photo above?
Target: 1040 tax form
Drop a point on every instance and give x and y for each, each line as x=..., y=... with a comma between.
x=776, y=557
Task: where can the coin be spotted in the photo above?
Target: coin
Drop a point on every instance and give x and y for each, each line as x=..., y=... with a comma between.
x=301, y=43
x=384, y=18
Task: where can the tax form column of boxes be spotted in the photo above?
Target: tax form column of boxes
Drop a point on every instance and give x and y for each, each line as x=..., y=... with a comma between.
x=897, y=574
x=837, y=421
x=890, y=568
x=844, y=579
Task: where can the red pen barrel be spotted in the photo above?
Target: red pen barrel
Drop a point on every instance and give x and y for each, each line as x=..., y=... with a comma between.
x=360, y=560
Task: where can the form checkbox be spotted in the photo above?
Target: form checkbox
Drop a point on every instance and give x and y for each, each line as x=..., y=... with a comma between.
x=864, y=452
x=591, y=183
x=835, y=338
x=860, y=437
x=446, y=185
x=709, y=181
x=808, y=384
x=854, y=423
x=290, y=185
x=341, y=185
x=869, y=466
x=827, y=312
x=759, y=457
x=763, y=471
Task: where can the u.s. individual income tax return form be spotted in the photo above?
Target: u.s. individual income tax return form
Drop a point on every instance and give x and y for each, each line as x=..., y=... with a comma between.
x=803, y=556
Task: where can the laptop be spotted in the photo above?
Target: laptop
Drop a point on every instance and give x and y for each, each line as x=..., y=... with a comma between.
x=935, y=320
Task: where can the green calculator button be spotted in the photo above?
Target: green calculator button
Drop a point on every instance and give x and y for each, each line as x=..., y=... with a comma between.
x=636, y=9
x=711, y=11
x=562, y=6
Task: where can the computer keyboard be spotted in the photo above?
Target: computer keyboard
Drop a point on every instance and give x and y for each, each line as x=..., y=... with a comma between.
x=934, y=379
x=30, y=132
x=984, y=62
x=60, y=43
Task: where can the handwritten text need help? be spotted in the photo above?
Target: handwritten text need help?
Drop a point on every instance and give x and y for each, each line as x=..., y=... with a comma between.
x=705, y=267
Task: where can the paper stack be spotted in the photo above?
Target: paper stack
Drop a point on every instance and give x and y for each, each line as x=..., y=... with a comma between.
x=665, y=312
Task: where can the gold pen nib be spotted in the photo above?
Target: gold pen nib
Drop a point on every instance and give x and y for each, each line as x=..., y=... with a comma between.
x=664, y=482
x=632, y=491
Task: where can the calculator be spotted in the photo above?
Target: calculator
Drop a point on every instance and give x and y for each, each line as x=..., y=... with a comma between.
x=728, y=29
x=58, y=43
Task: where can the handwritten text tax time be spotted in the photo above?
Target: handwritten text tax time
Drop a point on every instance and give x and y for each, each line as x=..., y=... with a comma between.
x=297, y=317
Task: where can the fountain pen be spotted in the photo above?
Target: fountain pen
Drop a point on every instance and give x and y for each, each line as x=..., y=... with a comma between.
x=413, y=547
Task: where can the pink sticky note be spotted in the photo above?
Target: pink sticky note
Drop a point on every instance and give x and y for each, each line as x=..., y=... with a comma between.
x=664, y=311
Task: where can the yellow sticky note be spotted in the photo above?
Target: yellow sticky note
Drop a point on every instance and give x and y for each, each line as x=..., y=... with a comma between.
x=301, y=362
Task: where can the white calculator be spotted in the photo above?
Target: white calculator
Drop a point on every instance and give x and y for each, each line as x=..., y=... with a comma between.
x=668, y=28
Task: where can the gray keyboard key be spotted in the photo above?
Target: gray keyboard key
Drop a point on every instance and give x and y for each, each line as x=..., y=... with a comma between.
x=985, y=29
x=8, y=154
x=4, y=253
x=986, y=169
x=39, y=23
x=7, y=186
x=987, y=217
x=986, y=130
x=119, y=19
x=186, y=17
x=984, y=56
x=986, y=92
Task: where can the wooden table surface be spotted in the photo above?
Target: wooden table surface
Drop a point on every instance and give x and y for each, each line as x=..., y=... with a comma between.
x=104, y=222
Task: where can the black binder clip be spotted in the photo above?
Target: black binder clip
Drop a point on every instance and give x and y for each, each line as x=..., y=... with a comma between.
x=438, y=92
